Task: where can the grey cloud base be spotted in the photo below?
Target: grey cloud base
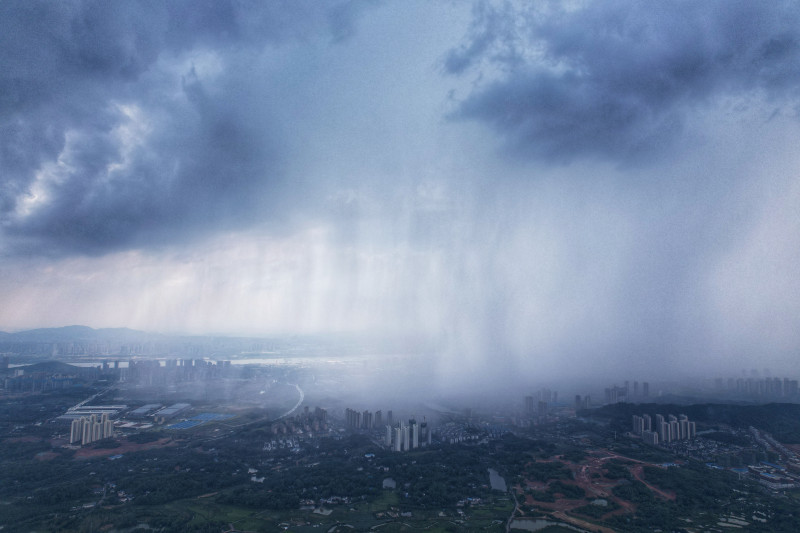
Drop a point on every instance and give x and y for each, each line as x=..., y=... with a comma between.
x=111, y=139
x=617, y=80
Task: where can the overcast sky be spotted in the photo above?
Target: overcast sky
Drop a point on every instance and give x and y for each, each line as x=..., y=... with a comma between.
x=584, y=187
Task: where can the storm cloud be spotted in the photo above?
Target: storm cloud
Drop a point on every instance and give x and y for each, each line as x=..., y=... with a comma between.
x=618, y=80
x=530, y=189
x=139, y=123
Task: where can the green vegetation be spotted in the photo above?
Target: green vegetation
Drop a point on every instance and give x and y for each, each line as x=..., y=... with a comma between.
x=146, y=436
x=636, y=492
x=28, y=410
x=642, y=453
x=201, y=480
x=728, y=438
x=572, y=492
x=543, y=496
x=546, y=471
x=615, y=469
x=596, y=511
x=575, y=456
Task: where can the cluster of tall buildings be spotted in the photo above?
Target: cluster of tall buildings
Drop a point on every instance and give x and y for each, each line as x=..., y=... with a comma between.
x=88, y=430
x=404, y=437
x=539, y=404
x=23, y=381
x=617, y=394
x=308, y=422
x=366, y=420
x=754, y=386
x=582, y=403
x=151, y=372
x=39, y=377
x=663, y=431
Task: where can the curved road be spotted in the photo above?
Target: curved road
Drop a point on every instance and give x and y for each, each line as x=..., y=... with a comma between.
x=299, y=402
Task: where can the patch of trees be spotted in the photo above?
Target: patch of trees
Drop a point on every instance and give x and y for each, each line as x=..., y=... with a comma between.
x=576, y=456
x=441, y=477
x=728, y=438
x=644, y=453
x=284, y=488
x=543, y=496
x=636, y=492
x=570, y=492
x=46, y=405
x=546, y=471
x=596, y=511
x=16, y=451
x=615, y=470
x=70, y=491
x=696, y=486
x=146, y=436
x=510, y=454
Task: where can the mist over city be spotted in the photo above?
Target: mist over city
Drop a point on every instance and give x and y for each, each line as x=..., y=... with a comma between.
x=503, y=216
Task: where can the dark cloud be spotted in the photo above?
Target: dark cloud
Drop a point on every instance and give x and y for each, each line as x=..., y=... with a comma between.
x=618, y=79
x=342, y=17
x=108, y=139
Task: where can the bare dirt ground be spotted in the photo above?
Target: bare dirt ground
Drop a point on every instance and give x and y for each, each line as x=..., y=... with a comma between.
x=127, y=447
x=581, y=523
x=28, y=438
x=589, y=476
x=638, y=473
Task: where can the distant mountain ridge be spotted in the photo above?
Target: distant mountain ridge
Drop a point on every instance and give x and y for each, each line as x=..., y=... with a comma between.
x=77, y=334
x=78, y=340
x=57, y=367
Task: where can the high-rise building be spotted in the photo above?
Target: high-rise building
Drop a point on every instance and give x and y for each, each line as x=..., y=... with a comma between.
x=638, y=425
x=674, y=430
x=664, y=433
x=645, y=389
x=542, y=408
x=76, y=430
x=529, y=405
x=90, y=430
x=616, y=394
x=398, y=438
x=650, y=437
x=388, y=441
